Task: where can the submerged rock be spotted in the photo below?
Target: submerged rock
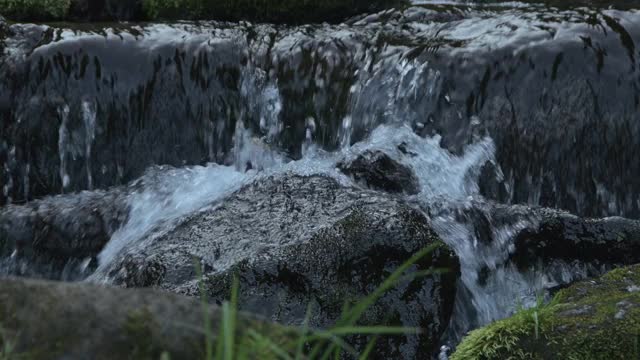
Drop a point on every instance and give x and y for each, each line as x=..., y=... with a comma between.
x=298, y=241
x=594, y=319
x=50, y=320
x=379, y=171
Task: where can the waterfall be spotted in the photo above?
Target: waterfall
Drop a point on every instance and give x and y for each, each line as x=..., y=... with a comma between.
x=488, y=106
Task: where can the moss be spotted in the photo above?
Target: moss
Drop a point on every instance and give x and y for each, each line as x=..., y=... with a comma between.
x=597, y=319
x=35, y=9
x=289, y=11
x=286, y=11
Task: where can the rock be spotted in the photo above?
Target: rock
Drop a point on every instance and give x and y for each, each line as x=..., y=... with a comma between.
x=566, y=237
x=50, y=320
x=57, y=232
x=542, y=235
x=298, y=241
x=379, y=171
x=594, y=319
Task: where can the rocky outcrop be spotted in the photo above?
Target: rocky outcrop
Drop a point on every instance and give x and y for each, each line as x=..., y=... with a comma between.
x=45, y=237
x=150, y=86
x=543, y=235
x=50, y=320
x=566, y=237
x=298, y=241
x=594, y=319
x=379, y=171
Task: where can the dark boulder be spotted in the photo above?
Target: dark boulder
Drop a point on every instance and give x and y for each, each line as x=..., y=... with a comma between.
x=299, y=241
x=566, y=237
x=50, y=320
x=543, y=235
x=53, y=234
x=379, y=171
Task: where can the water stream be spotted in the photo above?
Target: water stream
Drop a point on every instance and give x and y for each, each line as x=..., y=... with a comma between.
x=513, y=103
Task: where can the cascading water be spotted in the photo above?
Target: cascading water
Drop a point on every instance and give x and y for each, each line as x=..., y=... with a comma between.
x=226, y=106
x=449, y=186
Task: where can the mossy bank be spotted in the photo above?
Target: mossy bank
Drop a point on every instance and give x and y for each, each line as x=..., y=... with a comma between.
x=594, y=319
x=278, y=11
x=50, y=320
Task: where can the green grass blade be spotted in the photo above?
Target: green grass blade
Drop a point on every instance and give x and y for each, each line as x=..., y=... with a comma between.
x=278, y=351
x=356, y=311
x=367, y=350
x=302, y=340
x=227, y=324
x=208, y=333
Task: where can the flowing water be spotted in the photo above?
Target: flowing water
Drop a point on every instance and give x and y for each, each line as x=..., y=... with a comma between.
x=509, y=102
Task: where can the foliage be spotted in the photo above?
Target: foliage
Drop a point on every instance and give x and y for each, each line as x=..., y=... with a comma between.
x=290, y=11
x=35, y=9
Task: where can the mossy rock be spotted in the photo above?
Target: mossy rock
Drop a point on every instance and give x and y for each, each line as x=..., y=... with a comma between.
x=51, y=320
x=279, y=11
x=594, y=319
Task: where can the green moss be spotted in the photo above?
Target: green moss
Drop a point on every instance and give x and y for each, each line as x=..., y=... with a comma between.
x=287, y=11
x=598, y=319
x=291, y=11
x=35, y=9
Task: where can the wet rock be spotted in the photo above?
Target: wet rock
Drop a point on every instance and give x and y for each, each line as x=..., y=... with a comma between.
x=299, y=241
x=43, y=237
x=540, y=236
x=566, y=237
x=491, y=183
x=379, y=171
x=50, y=320
x=155, y=81
x=578, y=323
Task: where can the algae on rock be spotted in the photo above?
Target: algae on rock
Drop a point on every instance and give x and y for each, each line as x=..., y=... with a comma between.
x=593, y=319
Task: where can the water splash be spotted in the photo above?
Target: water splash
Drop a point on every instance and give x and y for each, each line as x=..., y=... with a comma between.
x=89, y=119
x=163, y=197
x=63, y=140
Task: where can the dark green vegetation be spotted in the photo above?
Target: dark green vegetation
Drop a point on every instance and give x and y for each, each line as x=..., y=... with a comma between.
x=35, y=9
x=280, y=11
x=594, y=319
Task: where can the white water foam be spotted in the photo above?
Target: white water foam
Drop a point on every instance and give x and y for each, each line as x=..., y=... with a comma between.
x=169, y=196
x=449, y=184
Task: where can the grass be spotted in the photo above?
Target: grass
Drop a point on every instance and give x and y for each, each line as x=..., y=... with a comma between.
x=6, y=346
x=308, y=343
